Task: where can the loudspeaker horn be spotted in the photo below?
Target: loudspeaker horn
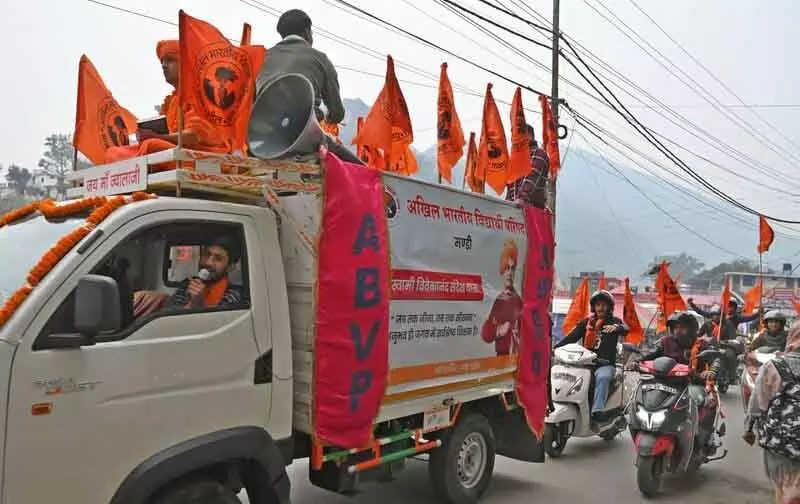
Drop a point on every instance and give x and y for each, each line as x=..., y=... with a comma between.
x=283, y=121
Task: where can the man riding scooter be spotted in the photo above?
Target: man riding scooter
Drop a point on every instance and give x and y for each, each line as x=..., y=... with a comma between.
x=600, y=333
x=774, y=335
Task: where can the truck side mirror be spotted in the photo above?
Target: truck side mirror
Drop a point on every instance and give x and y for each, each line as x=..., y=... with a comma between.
x=97, y=307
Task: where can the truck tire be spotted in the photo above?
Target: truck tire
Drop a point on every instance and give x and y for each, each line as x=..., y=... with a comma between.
x=461, y=469
x=199, y=492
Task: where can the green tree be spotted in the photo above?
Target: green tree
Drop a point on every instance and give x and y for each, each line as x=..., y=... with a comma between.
x=683, y=264
x=56, y=161
x=19, y=179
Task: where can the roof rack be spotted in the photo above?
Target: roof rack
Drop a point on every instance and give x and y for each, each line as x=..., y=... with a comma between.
x=199, y=174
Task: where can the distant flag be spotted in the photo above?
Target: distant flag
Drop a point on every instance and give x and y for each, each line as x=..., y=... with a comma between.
x=668, y=297
x=765, y=235
x=631, y=319
x=550, y=137
x=520, y=165
x=493, y=151
x=602, y=284
x=579, y=308
x=100, y=122
x=474, y=177
x=724, y=301
x=450, y=143
x=752, y=298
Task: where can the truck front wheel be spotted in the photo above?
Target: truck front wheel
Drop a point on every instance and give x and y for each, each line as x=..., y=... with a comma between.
x=461, y=469
x=199, y=492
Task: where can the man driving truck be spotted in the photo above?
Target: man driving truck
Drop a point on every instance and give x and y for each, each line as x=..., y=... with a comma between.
x=210, y=288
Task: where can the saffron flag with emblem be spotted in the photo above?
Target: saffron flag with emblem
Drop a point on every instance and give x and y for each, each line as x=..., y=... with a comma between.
x=668, y=298
x=450, y=136
x=631, y=319
x=520, y=165
x=752, y=298
x=493, y=151
x=218, y=79
x=474, y=177
x=100, y=122
x=388, y=124
x=765, y=235
x=550, y=137
x=578, y=309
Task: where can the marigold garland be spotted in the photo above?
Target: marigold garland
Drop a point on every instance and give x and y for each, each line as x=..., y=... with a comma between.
x=103, y=207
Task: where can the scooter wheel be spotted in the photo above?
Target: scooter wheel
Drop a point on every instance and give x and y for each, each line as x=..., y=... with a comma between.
x=555, y=440
x=722, y=387
x=649, y=473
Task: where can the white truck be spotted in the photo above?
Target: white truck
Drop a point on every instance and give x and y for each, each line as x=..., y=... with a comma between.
x=110, y=397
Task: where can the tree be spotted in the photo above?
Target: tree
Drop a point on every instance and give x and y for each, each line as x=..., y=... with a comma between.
x=684, y=265
x=56, y=161
x=713, y=277
x=19, y=179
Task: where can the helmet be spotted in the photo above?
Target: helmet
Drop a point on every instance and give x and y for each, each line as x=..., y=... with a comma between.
x=687, y=318
x=602, y=295
x=775, y=315
x=699, y=318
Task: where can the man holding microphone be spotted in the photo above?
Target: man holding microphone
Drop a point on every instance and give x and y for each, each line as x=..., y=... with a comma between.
x=211, y=288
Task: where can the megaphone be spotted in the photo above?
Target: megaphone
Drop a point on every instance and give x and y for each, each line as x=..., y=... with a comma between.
x=284, y=120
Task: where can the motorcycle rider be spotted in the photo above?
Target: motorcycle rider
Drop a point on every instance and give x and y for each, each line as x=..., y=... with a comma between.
x=774, y=335
x=725, y=331
x=600, y=333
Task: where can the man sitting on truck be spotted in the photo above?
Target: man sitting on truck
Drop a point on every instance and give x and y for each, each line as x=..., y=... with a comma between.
x=197, y=133
x=211, y=287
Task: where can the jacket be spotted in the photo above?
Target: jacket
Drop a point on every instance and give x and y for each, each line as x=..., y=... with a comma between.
x=765, y=339
x=606, y=345
x=668, y=346
x=728, y=331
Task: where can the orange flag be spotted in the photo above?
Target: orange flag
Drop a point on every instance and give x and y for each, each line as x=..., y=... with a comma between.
x=550, y=137
x=631, y=319
x=796, y=304
x=765, y=235
x=370, y=156
x=668, y=298
x=752, y=298
x=493, y=152
x=388, y=124
x=217, y=79
x=406, y=164
x=602, y=284
x=475, y=179
x=579, y=309
x=449, y=132
x=332, y=130
x=520, y=165
x=246, y=31
x=100, y=122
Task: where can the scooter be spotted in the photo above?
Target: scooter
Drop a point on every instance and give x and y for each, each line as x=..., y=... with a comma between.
x=572, y=385
x=752, y=364
x=675, y=427
x=729, y=372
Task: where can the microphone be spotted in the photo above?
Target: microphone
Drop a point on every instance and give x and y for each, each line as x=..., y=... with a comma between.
x=204, y=275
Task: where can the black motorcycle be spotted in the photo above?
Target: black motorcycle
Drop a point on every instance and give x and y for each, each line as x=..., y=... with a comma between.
x=729, y=374
x=673, y=422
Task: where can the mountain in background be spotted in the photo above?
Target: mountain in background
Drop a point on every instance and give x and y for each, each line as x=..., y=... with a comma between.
x=605, y=223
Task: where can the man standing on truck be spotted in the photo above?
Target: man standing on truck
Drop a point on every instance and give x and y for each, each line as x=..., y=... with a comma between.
x=531, y=189
x=502, y=325
x=211, y=288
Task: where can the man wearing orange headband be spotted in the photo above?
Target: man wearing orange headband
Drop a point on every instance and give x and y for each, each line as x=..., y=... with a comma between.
x=196, y=134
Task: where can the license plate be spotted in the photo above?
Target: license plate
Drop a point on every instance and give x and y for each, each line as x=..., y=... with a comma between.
x=659, y=387
x=436, y=419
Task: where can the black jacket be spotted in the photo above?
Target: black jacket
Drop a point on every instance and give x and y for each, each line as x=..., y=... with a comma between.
x=729, y=327
x=606, y=346
x=668, y=346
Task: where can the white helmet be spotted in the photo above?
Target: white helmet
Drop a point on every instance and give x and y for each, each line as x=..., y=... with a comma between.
x=700, y=319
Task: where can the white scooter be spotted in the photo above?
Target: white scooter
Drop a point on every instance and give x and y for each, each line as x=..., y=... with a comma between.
x=572, y=384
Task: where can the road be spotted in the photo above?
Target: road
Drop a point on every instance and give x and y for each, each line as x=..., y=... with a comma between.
x=590, y=470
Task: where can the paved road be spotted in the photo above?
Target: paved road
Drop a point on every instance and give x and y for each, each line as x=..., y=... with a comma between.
x=590, y=470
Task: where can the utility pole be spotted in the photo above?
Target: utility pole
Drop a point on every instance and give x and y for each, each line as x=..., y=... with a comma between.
x=554, y=94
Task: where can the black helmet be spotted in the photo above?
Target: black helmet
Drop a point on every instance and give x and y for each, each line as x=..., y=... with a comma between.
x=602, y=295
x=686, y=318
x=775, y=315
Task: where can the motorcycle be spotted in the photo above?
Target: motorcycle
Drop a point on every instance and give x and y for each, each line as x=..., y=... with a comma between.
x=729, y=373
x=572, y=386
x=676, y=426
x=753, y=362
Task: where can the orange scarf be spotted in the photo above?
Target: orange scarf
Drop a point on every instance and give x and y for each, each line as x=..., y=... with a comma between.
x=214, y=294
x=592, y=326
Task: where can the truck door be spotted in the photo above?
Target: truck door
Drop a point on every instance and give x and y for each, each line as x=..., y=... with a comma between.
x=82, y=416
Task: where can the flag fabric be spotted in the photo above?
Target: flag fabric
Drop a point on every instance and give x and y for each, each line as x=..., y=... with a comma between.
x=765, y=235
x=631, y=319
x=473, y=176
x=668, y=298
x=218, y=79
x=372, y=157
x=246, y=31
x=406, y=163
x=492, y=151
x=450, y=136
x=796, y=304
x=100, y=122
x=752, y=298
x=724, y=300
x=520, y=165
x=578, y=309
x=602, y=284
x=331, y=130
x=550, y=137
x=388, y=124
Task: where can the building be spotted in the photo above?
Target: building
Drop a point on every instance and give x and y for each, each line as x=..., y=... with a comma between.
x=780, y=289
x=594, y=279
x=44, y=183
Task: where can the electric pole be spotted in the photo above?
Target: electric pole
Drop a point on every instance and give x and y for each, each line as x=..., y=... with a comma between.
x=554, y=101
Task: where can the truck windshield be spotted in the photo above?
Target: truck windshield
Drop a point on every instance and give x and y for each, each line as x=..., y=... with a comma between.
x=22, y=244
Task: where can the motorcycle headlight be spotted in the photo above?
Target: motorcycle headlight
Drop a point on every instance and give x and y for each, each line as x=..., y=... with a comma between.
x=651, y=421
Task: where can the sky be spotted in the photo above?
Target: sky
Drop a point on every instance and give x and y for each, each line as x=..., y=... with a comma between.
x=749, y=46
